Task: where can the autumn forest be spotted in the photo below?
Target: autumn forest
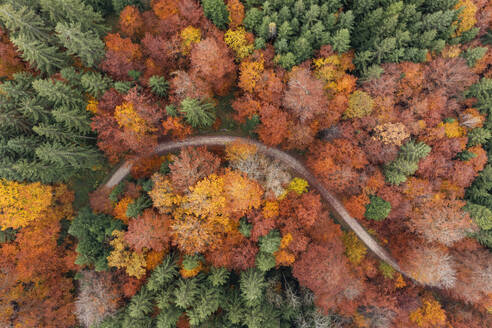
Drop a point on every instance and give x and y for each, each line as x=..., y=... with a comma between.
x=245, y=163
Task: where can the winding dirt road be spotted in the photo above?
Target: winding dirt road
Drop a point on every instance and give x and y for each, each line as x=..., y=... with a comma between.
x=336, y=207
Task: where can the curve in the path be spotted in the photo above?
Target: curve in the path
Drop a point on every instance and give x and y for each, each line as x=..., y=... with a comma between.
x=336, y=207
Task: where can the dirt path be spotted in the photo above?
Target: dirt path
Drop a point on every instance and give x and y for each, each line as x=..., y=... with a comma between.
x=337, y=208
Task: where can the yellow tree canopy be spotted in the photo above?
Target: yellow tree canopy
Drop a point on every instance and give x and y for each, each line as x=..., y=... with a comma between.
x=21, y=203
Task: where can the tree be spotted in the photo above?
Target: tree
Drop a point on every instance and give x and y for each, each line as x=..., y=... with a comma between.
x=378, y=209
x=93, y=232
x=150, y=231
x=430, y=314
x=212, y=61
x=360, y=105
x=131, y=21
x=192, y=165
x=305, y=96
x=159, y=86
x=68, y=155
x=198, y=113
x=252, y=284
x=23, y=203
x=97, y=298
x=217, y=12
x=86, y=45
x=121, y=257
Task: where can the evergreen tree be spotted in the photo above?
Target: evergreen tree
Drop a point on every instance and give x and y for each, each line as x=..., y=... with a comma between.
x=186, y=292
x=216, y=11
x=136, y=208
x=159, y=85
x=95, y=83
x=86, y=45
x=199, y=114
x=74, y=119
x=68, y=155
x=140, y=305
x=252, y=284
x=378, y=209
x=93, y=232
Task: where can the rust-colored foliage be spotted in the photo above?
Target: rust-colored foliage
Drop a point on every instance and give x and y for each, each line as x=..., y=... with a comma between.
x=274, y=123
x=305, y=96
x=131, y=21
x=212, y=61
x=236, y=12
x=144, y=167
x=10, y=62
x=191, y=165
x=150, y=230
x=99, y=201
x=36, y=260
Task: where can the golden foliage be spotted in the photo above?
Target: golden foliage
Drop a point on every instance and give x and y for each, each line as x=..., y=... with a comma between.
x=332, y=70
x=466, y=19
x=236, y=12
x=162, y=194
x=270, y=210
x=298, y=185
x=360, y=105
x=453, y=129
x=391, y=133
x=153, y=259
x=354, y=247
x=191, y=273
x=241, y=193
x=239, y=151
x=429, y=315
x=237, y=40
x=128, y=118
x=250, y=74
x=121, y=256
x=286, y=240
x=283, y=257
x=189, y=36
x=119, y=210
x=21, y=204
x=92, y=105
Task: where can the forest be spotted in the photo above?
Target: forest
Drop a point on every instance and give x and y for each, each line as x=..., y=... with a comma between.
x=245, y=163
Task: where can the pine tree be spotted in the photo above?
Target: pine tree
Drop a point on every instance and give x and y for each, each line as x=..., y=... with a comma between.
x=478, y=136
x=21, y=20
x=218, y=276
x=73, y=119
x=186, y=292
x=92, y=232
x=39, y=54
x=480, y=214
x=159, y=85
x=199, y=114
x=163, y=274
x=216, y=11
x=76, y=12
x=378, y=209
x=68, y=155
x=271, y=242
x=85, y=45
x=57, y=92
x=252, y=283
x=140, y=304
x=95, y=83
x=265, y=261
x=136, y=208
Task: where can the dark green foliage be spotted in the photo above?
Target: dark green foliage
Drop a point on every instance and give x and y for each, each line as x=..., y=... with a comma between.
x=465, y=155
x=379, y=31
x=378, y=209
x=164, y=169
x=478, y=136
x=95, y=83
x=298, y=28
x=117, y=191
x=265, y=261
x=85, y=45
x=159, y=86
x=480, y=214
x=171, y=110
x=245, y=227
x=190, y=262
x=248, y=299
x=216, y=11
x=271, y=242
x=472, y=55
x=136, y=208
x=119, y=5
x=252, y=284
x=218, y=276
x=479, y=194
x=48, y=127
x=7, y=235
x=123, y=86
x=32, y=30
x=93, y=232
x=406, y=164
x=134, y=75
x=199, y=114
